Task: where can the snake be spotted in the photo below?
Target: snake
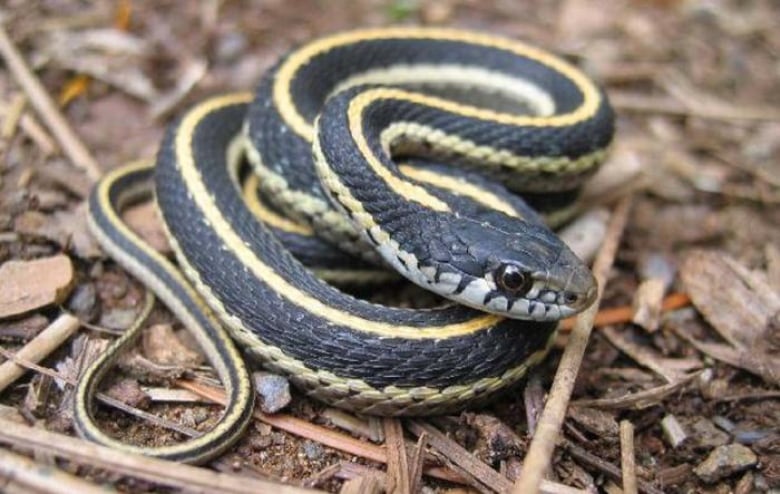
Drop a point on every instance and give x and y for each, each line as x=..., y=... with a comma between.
x=379, y=141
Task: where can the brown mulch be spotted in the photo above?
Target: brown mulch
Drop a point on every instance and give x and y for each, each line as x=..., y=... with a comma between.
x=685, y=350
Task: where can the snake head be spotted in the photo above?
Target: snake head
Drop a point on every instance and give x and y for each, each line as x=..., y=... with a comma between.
x=522, y=272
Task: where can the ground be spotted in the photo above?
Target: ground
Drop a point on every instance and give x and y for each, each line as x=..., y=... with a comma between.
x=695, y=88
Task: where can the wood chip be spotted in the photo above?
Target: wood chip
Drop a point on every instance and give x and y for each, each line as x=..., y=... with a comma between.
x=672, y=370
x=355, y=425
x=29, y=285
x=673, y=431
x=417, y=462
x=397, y=461
x=369, y=484
x=648, y=301
x=597, y=422
x=740, y=305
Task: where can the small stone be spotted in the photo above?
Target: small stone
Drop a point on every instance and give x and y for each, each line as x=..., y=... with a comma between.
x=274, y=391
x=312, y=450
x=128, y=391
x=83, y=301
x=230, y=47
x=162, y=346
x=725, y=461
x=260, y=443
x=705, y=434
x=118, y=319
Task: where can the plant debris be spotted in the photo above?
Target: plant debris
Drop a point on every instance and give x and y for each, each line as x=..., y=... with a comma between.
x=675, y=390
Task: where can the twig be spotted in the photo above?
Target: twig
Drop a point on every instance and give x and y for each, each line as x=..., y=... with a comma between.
x=32, y=476
x=618, y=315
x=102, y=397
x=473, y=467
x=32, y=128
x=193, y=73
x=75, y=150
x=537, y=461
x=640, y=103
x=184, y=477
x=605, y=467
x=397, y=461
x=323, y=435
x=627, y=457
x=417, y=462
x=671, y=370
x=639, y=400
x=42, y=345
x=468, y=463
x=12, y=116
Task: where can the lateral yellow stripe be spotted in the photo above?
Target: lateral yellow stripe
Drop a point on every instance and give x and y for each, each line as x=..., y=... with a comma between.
x=282, y=286
x=283, y=98
x=265, y=214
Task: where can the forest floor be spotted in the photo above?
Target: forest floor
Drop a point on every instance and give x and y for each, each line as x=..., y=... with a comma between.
x=681, y=371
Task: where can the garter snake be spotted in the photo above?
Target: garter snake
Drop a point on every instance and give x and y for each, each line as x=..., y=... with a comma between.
x=323, y=132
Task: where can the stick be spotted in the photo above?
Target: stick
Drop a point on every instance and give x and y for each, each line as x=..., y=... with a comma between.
x=39, y=347
x=627, y=459
x=323, y=435
x=71, y=145
x=184, y=477
x=43, y=478
x=537, y=461
x=472, y=467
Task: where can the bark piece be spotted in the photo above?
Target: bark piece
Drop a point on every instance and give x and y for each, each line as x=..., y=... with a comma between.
x=29, y=285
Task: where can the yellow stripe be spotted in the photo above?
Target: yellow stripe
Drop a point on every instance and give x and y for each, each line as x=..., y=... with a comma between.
x=461, y=187
x=283, y=98
x=282, y=286
x=265, y=214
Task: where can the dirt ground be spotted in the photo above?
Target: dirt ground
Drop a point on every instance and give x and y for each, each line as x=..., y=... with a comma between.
x=696, y=88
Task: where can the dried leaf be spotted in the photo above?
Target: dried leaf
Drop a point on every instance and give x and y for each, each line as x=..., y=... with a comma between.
x=740, y=305
x=29, y=285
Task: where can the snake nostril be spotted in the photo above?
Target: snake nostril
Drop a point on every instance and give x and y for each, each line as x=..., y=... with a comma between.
x=570, y=298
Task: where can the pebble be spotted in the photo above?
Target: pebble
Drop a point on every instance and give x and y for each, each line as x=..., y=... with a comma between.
x=230, y=46
x=274, y=391
x=705, y=434
x=724, y=461
x=312, y=450
x=118, y=319
x=83, y=301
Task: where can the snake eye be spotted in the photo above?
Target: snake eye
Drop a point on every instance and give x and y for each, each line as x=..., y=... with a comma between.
x=511, y=278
